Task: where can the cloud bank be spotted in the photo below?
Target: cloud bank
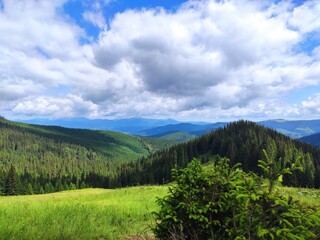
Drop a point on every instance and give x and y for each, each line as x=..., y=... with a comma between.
x=208, y=60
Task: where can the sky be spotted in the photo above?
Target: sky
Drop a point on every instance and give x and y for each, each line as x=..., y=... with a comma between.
x=204, y=60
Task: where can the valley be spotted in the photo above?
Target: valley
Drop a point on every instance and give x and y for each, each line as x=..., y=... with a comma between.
x=45, y=159
x=159, y=120
x=59, y=170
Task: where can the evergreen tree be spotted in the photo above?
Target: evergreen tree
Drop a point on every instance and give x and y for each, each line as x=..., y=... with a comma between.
x=317, y=177
x=29, y=189
x=48, y=188
x=11, y=182
x=223, y=202
x=2, y=181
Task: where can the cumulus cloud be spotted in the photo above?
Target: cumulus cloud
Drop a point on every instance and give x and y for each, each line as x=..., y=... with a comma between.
x=11, y=89
x=229, y=52
x=94, y=14
x=35, y=28
x=36, y=45
x=70, y=106
x=206, y=60
x=312, y=104
x=306, y=17
x=96, y=18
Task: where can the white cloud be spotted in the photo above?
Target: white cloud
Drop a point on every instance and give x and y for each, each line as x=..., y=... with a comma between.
x=35, y=28
x=306, y=17
x=312, y=104
x=94, y=12
x=13, y=88
x=228, y=52
x=316, y=53
x=208, y=60
x=70, y=106
x=96, y=18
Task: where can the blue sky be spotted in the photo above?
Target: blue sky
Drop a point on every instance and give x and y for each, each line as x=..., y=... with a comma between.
x=188, y=60
x=75, y=10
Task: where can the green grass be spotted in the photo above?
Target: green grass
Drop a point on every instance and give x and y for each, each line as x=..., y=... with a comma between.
x=95, y=213
x=81, y=214
x=306, y=196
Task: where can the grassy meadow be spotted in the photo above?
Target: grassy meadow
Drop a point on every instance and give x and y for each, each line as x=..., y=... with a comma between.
x=94, y=213
x=80, y=214
x=306, y=196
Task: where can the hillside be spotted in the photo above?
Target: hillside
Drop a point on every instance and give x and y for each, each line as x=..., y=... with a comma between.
x=176, y=136
x=313, y=139
x=243, y=143
x=42, y=159
x=69, y=155
x=113, y=146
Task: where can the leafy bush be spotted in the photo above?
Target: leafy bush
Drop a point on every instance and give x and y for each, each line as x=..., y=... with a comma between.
x=219, y=202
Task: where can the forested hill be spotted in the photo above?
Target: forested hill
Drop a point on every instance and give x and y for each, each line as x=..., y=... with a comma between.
x=242, y=142
x=38, y=159
x=48, y=154
x=313, y=139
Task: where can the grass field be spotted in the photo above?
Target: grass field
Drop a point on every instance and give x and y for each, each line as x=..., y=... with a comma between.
x=94, y=213
x=81, y=214
x=306, y=196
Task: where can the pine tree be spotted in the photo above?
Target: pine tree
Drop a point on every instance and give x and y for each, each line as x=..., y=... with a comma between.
x=29, y=189
x=317, y=177
x=11, y=182
x=2, y=181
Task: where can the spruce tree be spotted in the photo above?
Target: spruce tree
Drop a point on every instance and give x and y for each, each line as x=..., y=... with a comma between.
x=11, y=182
x=2, y=181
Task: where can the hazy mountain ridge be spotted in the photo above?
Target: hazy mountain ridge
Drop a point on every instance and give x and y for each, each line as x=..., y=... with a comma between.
x=155, y=127
x=294, y=129
x=127, y=125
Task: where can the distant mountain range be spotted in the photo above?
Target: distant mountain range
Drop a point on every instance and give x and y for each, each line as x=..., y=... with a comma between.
x=182, y=131
x=194, y=129
x=293, y=129
x=127, y=125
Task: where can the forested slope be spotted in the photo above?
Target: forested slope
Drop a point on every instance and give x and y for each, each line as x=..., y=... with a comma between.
x=39, y=155
x=242, y=142
x=37, y=159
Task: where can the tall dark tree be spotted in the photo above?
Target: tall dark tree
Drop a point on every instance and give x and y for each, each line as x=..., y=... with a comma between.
x=317, y=177
x=11, y=182
x=2, y=181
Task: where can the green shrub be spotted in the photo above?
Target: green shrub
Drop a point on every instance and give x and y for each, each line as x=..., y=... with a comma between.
x=219, y=202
